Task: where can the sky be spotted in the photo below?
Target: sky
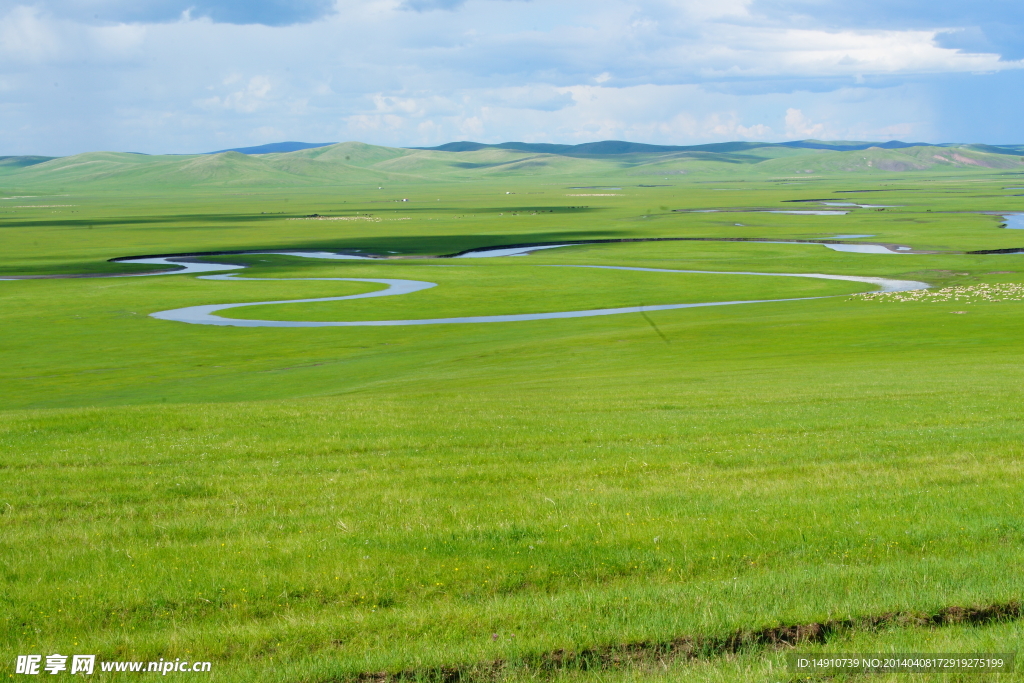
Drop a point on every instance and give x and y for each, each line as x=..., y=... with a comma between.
x=184, y=76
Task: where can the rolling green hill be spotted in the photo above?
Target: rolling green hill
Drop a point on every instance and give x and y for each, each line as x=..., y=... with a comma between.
x=892, y=160
x=13, y=163
x=349, y=163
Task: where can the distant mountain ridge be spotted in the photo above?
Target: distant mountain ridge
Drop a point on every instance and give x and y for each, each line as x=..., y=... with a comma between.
x=356, y=163
x=608, y=147
x=275, y=148
x=23, y=161
x=587, y=149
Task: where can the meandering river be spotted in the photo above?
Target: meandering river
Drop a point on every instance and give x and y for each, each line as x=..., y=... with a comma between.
x=206, y=314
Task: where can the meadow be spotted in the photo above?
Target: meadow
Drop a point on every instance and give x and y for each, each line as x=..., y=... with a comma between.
x=630, y=497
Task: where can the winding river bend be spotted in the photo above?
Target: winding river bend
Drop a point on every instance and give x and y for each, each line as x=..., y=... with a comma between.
x=206, y=314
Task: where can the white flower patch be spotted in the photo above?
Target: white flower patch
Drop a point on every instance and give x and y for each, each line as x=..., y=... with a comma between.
x=967, y=295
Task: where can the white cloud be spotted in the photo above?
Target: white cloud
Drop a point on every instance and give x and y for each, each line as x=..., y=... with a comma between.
x=544, y=70
x=246, y=100
x=120, y=41
x=684, y=114
x=26, y=36
x=268, y=12
x=799, y=126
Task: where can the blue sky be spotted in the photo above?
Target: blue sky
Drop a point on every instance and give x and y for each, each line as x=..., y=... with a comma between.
x=177, y=76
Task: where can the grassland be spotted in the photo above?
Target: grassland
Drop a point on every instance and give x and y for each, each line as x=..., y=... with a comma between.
x=322, y=504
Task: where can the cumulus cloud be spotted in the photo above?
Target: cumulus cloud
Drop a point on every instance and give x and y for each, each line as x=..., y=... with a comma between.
x=269, y=12
x=799, y=126
x=431, y=5
x=159, y=75
x=994, y=25
x=428, y=5
x=680, y=114
x=244, y=97
x=26, y=37
x=29, y=37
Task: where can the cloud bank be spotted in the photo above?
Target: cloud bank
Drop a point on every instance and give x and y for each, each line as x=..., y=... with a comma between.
x=166, y=76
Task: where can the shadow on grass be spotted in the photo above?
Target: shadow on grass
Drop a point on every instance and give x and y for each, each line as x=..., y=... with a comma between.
x=220, y=219
x=547, y=665
x=418, y=245
x=402, y=245
x=73, y=268
x=463, y=211
x=118, y=221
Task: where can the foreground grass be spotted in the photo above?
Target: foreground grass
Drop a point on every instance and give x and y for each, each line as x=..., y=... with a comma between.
x=756, y=665
x=364, y=533
x=309, y=505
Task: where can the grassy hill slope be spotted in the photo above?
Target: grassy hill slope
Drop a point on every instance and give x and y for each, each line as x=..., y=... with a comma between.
x=8, y=164
x=876, y=159
x=351, y=163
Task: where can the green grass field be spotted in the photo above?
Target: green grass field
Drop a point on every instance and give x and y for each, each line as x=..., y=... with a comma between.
x=548, y=500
